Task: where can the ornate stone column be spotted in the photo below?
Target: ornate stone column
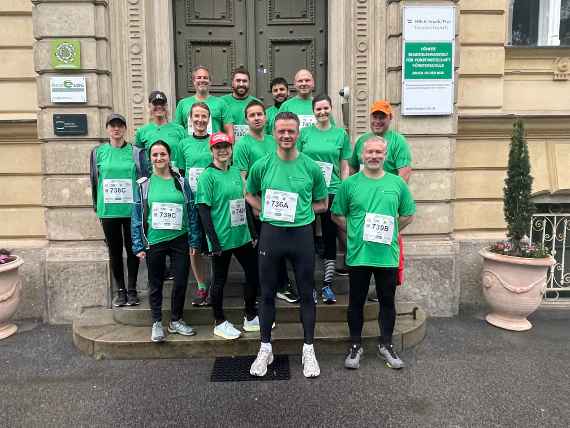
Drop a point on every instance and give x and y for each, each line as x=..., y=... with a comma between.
x=431, y=265
x=76, y=272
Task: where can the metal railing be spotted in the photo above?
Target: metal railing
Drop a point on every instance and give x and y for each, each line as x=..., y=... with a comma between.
x=552, y=231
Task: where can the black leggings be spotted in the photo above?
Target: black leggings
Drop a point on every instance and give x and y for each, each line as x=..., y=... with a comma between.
x=276, y=244
x=179, y=263
x=246, y=257
x=118, y=234
x=385, y=279
x=329, y=230
x=282, y=276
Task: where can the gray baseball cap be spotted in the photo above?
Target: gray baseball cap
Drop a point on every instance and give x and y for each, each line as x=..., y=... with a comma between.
x=115, y=116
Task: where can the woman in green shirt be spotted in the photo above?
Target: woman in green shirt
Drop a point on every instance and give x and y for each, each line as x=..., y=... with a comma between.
x=197, y=156
x=329, y=147
x=221, y=205
x=165, y=222
x=113, y=176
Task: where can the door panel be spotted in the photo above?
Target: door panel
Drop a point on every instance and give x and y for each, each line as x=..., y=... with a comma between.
x=210, y=33
x=270, y=37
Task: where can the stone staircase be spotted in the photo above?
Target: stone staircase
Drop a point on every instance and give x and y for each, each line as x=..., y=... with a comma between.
x=124, y=333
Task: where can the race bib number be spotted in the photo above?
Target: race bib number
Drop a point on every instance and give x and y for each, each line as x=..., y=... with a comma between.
x=280, y=205
x=378, y=228
x=117, y=191
x=237, y=212
x=326, y=169
x=193, y=174
x=191, y=128
x=306, y=120
x=240, y=131
x=166, y=216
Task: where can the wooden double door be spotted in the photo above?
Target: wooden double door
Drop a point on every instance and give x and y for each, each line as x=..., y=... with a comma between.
x=271, y=38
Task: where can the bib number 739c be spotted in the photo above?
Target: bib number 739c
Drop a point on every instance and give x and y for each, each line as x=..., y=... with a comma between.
x=166, y=216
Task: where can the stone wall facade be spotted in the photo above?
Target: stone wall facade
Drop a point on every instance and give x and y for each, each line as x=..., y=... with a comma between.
x=127, y=50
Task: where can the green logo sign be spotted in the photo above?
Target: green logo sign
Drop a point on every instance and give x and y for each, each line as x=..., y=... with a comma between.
x=66, y=54
x=428, y=60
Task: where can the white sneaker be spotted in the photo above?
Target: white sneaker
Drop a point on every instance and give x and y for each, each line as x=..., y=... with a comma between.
x=252, y=325
x=227, y=331
x=259, y=366
x=310, y=364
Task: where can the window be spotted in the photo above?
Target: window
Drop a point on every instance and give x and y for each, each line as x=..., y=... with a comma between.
x=540, y=23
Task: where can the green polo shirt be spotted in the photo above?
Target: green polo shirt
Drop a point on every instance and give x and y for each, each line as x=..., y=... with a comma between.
x=288, y=189
x=398, y=154
x=372, y=207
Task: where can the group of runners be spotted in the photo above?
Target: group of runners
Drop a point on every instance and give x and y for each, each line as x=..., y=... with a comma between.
x=229, y=177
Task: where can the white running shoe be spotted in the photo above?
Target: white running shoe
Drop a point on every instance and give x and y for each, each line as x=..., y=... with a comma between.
x=227, y=331
x=310, y=364
x=259, y=366
x=251, y=325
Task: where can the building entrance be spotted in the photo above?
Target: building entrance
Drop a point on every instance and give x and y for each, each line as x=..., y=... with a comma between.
x=270, y=38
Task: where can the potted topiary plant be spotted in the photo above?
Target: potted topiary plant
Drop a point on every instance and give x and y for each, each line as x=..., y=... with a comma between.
x=515, y=270
x=10, y=290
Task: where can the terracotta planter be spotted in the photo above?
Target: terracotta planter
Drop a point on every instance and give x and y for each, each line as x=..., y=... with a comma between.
x=10, y=290
x=513, y=288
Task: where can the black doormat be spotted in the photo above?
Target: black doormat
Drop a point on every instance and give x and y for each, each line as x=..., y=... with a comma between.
x=236, y=369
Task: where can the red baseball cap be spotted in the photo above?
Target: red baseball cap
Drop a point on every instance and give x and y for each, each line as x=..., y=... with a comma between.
x=220, y=137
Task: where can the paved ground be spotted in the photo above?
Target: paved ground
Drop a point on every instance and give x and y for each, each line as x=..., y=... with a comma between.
x=464, y=374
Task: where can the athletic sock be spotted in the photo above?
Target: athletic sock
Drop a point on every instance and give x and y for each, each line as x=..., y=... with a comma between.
x=202, y=286
x=266, y=346
x=329, y=267
x=307, y=347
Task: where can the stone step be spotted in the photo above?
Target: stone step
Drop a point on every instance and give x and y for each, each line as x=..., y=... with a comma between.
x=97, y=334
x=233, y=308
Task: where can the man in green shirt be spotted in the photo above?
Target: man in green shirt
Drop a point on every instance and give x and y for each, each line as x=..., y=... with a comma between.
x=238, y=100
x=160, y=128
x=287, y=188
x=398, y=155
x=256, y=144
x=302, y=103
x=220, y=120
x=372, y=206
x=280, y=93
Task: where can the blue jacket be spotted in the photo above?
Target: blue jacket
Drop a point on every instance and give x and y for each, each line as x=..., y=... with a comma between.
x=140, y=213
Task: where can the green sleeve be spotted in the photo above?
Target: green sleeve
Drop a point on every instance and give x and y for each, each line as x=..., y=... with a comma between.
x=179, y=115
x=253, y=184
x=346, y=151
x=139, y=138
x=404, y=154
x=407, y=204
x=339, y=206
x=302, y=140
x=204, y=190
x=353, y=161
x=225, y=113
x=241, y=160
x=320, y=191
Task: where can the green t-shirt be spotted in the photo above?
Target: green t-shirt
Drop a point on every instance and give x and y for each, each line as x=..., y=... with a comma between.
x=117, y=176
x=327, y=148
x=196, y=157
x=219, y=113
x=303, y=109
x=288, y=189
x=167, y=218
x=248, y=150
x=373, y=240
x=171, y=133
x=398, y=154
x=237, y=113
x=270, y=112
x=223, y=192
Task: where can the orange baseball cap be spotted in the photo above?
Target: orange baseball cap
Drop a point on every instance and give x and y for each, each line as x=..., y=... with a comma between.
x=381, y=106
x=220, y=137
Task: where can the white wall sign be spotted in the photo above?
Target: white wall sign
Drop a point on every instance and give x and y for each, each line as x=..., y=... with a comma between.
x=428, y=60
x=68, y=89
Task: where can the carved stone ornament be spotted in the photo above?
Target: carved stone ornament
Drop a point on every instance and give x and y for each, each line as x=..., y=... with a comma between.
x=561, y=68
